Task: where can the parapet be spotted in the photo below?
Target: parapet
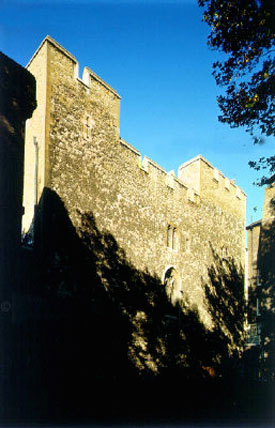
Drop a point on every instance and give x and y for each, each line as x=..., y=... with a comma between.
x=49, y=39
x=197, y=179
x=87, y=74
x=209, y=182
x=63, y=69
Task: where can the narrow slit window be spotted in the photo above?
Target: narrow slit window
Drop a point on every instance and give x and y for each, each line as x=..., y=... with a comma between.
x=174, y=237
x=87, y=127
x=258, y=307
x=169, y=235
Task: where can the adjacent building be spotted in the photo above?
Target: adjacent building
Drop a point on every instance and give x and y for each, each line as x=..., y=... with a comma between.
x=260, y=287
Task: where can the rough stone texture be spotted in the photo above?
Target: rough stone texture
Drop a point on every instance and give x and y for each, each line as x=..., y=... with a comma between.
x=260, y=284
x=260, y=247
x=253, y=240
x=134, y=200
x=266, y=255
x=269, y=203
x=266, y=266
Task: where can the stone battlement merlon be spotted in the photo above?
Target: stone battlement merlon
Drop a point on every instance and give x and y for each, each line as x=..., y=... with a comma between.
x=49, y=39
x=182, y=176
x=87, y=72
x=217, y=174
x=152, y=169
x=222, y=195
x=170, y=176
x=197, y=179
x=145, y=161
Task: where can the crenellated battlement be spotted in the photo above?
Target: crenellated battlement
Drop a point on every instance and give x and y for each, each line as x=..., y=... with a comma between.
x=83, y=115
x=49, y=39
x=151, y=168
x=63, y=70
x=199, y=173
x=197, y=179
x=88, y=76
x=159, y=218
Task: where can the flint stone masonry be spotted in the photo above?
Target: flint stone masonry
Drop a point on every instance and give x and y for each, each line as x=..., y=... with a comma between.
x=132, y=198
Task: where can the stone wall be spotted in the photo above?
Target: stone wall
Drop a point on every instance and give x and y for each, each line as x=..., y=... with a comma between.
x=253, y=241
x=266, y=255
x=260, y=282
x=213, y=186
x=93, y=170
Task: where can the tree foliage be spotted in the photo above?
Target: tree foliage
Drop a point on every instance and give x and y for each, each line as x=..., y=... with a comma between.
x=244, y=30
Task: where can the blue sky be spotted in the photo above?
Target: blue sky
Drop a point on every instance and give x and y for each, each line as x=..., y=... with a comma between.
x=154, y=53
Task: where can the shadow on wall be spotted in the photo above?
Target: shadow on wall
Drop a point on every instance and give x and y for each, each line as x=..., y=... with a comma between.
x=226, y=303
x=266, y=294
x=108, y=340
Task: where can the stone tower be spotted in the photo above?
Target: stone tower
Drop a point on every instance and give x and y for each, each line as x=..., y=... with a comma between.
x=167, y=225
